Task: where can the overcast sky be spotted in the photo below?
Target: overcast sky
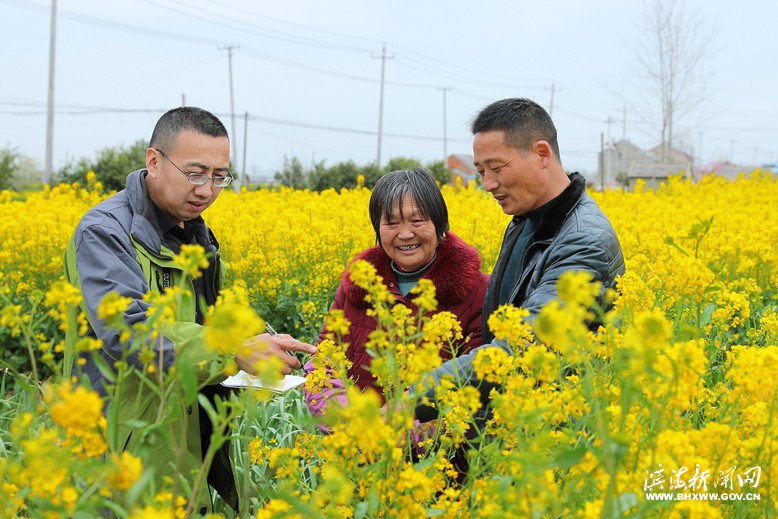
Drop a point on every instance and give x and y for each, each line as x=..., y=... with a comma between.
x=308, y=74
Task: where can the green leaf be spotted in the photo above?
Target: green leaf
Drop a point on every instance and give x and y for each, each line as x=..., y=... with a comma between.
x=187, y=375
x=669, y=240
x=104, y=368
x=707, y=314
x=137, y=424
x=687, y=333
x=570, y=457
x=136, y=491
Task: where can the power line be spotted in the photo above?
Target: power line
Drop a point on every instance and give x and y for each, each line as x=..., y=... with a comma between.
x=329, y=72
x=218, y=18
x=456, y=77
x=410, y=59
x=271, y=120
x=94, y=110
x=110, y=24
x=427, y=61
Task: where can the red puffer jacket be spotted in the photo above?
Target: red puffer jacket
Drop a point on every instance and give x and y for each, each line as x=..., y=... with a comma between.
x=460, y=289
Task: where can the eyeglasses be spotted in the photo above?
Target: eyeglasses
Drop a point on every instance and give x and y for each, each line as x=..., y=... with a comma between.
x=200, y=179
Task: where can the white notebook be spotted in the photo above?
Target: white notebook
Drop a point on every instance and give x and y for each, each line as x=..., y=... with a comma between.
x=243, y=379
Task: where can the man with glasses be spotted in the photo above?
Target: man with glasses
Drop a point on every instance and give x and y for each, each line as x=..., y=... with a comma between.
x=126, y=244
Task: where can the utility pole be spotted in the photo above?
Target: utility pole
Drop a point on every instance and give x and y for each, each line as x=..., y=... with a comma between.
x=602, y=159
x=245, y=146
x=610, y=147
x=624, y=124
x=667, y=131
x=50, y=109
x=383, y=57
x=445, y=134
x=551, y=104
x=233, y=137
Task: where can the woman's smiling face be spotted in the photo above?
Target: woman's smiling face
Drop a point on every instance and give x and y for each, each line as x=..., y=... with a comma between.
x=408, y=237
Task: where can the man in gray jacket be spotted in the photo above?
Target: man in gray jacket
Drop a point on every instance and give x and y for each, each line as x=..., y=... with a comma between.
x=556, y=226
x=126, y=244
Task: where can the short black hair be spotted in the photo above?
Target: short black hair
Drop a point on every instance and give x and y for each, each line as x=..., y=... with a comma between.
x=420, y=186
x=523, y=121
x=183, y=118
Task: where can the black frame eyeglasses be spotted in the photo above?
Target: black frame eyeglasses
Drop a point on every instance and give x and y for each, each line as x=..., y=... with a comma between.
x=200, y=179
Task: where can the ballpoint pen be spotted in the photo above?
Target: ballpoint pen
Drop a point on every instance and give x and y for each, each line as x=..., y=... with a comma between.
x=269, y=329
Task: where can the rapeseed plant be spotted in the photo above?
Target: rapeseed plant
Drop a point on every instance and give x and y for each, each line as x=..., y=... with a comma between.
x=586, y=410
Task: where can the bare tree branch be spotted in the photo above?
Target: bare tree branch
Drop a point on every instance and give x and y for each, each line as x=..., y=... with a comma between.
x=670, y=50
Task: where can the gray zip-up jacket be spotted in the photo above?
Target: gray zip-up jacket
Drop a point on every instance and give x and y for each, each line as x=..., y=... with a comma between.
x=117, y=248
x=573, y=234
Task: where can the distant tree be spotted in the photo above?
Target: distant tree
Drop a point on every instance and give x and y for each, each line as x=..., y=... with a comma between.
x=111, y=166
x=345, y=174
x=372, y=173
x=72, y=171
x=319, y=170
x=340, y=175
x=670, y=54
x=28, y=175
x=292, y=173
x=9, y=165
x=437, y=169
x=396, y=163
x=439, y=172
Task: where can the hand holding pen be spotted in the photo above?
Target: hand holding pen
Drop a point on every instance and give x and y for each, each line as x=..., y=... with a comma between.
x=271, y=343
x=272, y=332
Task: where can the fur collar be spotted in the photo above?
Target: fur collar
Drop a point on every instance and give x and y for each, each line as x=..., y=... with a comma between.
x=455, y=271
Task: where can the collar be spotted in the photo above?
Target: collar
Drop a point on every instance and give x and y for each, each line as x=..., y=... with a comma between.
x=455, y=271
x=165, y=223
x=146, y=225
x=551, y=214
x=416, y=274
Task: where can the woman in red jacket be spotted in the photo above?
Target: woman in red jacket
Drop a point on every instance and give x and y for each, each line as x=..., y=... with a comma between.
x=410, y=220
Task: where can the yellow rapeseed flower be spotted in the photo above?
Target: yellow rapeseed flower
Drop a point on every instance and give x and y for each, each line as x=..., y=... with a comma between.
x=152, y=512
x=228, y=325
x=424, y=293
x=76, y=409
x=193, y=259
x=493, y=365
x=749, y=369
x=337, y=323
x=258, y=452
x=507, y=324
x=113, y=305
x=126, y=470
x=277, y=509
